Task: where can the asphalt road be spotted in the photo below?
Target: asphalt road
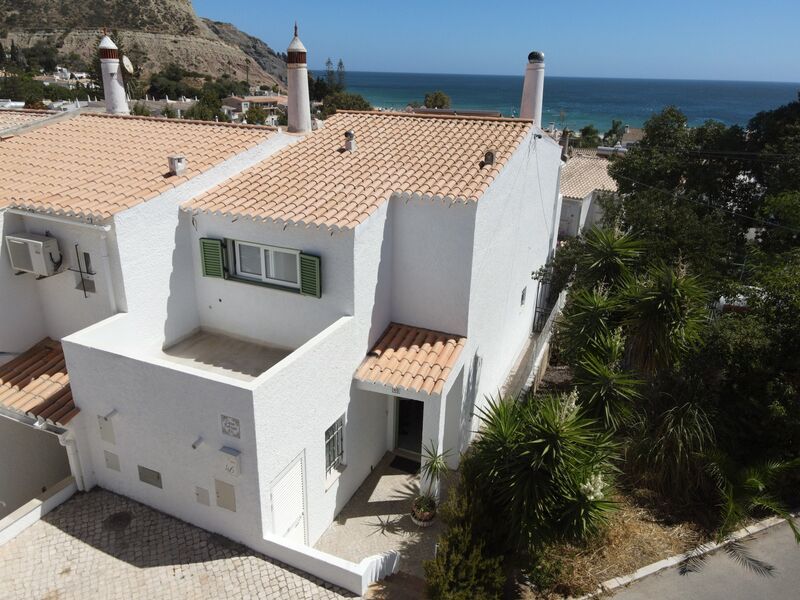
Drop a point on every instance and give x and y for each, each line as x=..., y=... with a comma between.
x=722, y=578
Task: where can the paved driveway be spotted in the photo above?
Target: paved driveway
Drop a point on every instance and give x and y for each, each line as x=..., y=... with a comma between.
x=721, y=578
x=100, y=545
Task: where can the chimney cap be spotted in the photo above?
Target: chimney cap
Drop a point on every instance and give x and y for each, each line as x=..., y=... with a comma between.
x=350, y=135
x=296, y=45
x=107, y=44
x=536, y=57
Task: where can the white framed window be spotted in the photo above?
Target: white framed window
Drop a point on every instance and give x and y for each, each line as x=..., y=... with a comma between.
x=268, y=264
x=334, y=446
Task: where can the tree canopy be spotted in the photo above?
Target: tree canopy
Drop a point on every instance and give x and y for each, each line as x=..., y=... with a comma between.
x=437, y=99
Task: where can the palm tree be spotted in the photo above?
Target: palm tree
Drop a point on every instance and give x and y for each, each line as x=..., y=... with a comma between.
x=608, y=256
x=665, y=315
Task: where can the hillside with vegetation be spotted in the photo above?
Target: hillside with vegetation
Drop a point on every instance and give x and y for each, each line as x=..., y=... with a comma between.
x=156, y=33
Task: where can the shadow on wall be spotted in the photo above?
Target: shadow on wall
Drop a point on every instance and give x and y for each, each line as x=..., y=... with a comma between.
x=470, y=397
x=143, y=537
x=182, y=317
x=377, y=323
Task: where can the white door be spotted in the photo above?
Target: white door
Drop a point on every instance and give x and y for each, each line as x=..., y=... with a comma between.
x=288, y=504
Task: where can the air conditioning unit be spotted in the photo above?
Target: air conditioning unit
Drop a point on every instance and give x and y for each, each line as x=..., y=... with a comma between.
x=33, y=253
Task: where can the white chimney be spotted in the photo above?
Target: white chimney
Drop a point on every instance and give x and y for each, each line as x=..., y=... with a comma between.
x=298, y=107
x=113, y=85
x=177, y=164
x=350, y=141
x=533, y=89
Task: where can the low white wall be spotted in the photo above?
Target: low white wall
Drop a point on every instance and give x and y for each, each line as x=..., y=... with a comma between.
x=29, y=513
x=29, y=461
x=162, y=409
x=297, y=400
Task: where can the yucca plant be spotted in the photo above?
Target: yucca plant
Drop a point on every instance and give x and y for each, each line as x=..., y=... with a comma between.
x=608, y=392
x=432, y=469
x=608, y=255
x=544, y=468
x=589, y=315
x=665, y=314
x=669, y=446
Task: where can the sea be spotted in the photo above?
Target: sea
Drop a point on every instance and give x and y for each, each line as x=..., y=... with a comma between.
x=578, y=101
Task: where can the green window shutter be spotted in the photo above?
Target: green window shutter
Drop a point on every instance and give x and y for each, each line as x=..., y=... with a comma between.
x=212, y=258
x=310, y=278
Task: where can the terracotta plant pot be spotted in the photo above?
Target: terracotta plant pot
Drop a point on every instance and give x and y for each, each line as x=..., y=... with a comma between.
x=421, y=516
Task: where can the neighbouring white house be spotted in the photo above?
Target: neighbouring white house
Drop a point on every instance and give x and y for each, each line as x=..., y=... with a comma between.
x=234, y=324
x=584, y=178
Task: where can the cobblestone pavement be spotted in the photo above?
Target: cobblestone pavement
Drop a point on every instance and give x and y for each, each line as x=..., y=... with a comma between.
x=101, y=545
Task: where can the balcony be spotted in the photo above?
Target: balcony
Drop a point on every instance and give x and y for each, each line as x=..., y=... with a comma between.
x=224, y=355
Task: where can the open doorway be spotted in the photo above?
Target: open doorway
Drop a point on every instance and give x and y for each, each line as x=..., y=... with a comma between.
x=409, y=428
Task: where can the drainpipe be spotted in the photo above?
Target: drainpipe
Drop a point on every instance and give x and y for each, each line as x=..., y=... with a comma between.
x=68, y=441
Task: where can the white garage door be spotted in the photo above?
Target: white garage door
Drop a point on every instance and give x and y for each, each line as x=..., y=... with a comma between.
x=288, y=504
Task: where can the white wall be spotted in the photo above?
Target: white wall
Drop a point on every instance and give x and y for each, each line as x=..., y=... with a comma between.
x=570, y=222
x=64, y=305
x=30, y=462
x=282, y=318
x=514, y=233
x=431, y=250
x=161, y=412
x=22, y=322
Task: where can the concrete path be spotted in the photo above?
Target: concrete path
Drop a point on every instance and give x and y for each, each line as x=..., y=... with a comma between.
x=722, y=578
x=101, y=545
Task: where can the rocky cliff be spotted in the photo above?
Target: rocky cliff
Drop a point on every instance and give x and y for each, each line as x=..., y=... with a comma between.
x=153, y=32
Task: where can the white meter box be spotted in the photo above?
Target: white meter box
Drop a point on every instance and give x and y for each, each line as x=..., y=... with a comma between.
x=231, y=460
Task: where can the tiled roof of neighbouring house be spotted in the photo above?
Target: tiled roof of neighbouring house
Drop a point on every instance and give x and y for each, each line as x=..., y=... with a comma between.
x=316, y=182
x=11, y=118
x=93, y=165
x=583, y=174
x=36, y=384
x=411, y=359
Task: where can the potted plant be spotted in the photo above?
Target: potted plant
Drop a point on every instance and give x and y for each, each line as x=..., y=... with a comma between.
x=433, y=467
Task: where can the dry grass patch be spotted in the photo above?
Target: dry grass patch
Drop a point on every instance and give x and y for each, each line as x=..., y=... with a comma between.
x=636, y=537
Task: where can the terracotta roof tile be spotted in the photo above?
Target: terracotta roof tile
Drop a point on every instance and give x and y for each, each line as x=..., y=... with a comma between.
x=36, y=383
x=10, y=118
x=95, y=165
x=583, y=174
x=316, y=183
x=411, y=359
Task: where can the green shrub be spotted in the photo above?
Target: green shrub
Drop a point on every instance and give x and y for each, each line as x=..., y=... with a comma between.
x=461, y=570
x=545, y=470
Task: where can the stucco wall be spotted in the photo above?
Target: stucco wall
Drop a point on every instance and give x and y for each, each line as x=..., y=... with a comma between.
x=31, y=461
x=297, y=401
x=514, y=232
x=22, y=323
x=161, y=411
x=431, y=250
x=282, y=318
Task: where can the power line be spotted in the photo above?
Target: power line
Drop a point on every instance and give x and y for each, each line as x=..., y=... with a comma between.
x=702, y=203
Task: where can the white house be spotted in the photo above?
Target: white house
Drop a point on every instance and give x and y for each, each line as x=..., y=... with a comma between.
x=584, y=178
x=252, y=319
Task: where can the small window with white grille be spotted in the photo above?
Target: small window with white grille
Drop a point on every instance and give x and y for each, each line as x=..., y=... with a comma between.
x=334, y=447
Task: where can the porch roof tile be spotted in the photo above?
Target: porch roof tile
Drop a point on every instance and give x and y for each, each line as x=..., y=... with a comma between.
x=36, y=384
x=411, y=359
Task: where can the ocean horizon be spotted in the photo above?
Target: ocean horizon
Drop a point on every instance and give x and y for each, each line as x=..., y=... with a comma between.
x=578, y=101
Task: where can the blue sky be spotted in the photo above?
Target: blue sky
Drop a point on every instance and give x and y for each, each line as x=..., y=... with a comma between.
x=680, y=39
